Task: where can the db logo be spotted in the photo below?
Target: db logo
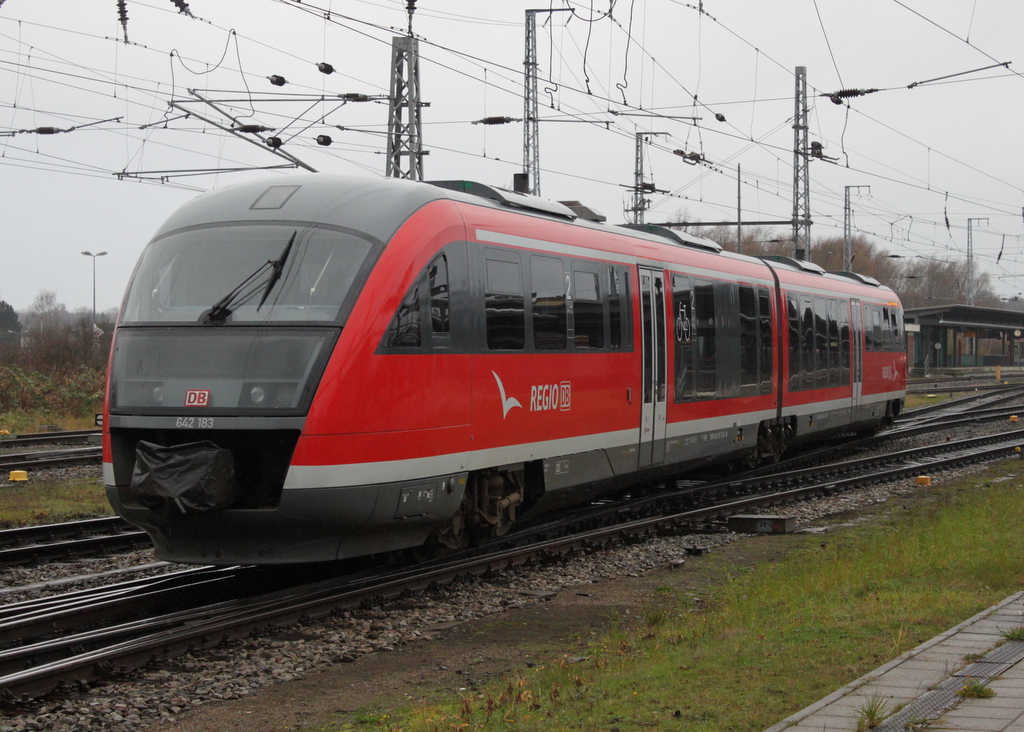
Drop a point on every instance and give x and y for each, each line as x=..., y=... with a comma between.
x=197, y=397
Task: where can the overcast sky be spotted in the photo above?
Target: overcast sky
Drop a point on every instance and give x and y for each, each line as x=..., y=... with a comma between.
x=948, y=149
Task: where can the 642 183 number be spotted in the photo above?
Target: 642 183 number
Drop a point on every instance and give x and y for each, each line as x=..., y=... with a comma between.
x=203, y=423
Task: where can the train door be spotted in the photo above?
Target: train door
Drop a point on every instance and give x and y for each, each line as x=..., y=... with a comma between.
x=857, y=346
x=653, y=420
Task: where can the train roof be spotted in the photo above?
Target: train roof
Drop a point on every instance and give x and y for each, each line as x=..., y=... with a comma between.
x=378, y=206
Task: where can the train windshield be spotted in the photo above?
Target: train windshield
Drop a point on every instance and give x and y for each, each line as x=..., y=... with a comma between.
x=247, y=273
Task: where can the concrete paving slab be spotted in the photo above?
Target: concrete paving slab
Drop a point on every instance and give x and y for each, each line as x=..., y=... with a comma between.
x=969, y=710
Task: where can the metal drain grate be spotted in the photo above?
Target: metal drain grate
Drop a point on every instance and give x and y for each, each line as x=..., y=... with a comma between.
x=936, y=702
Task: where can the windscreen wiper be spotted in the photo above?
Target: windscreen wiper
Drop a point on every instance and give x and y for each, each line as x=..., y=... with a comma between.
x=278, y=265
x=222, y=309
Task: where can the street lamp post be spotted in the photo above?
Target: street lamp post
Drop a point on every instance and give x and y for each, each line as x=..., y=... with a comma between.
x=97, y=254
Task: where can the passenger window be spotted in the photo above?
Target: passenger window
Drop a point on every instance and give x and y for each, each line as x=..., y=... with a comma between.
x=683, y=331
x=404, y=331
x=616, y=290
x=807, y=344
x=588, y=311
x=748, y=340
x=833, y=343
x=504, y=305
x=844, y=339
x=794, y=342
x=704, y=311
x=550, y=321
x=440, y=315
x=821, y=342
x=876, y=329
x=766, y=345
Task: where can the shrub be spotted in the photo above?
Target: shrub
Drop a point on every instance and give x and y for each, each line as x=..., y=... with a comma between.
x=76, y=392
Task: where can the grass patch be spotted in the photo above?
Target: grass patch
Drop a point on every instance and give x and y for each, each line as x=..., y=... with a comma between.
x=768, y=643
x=1014, y=634
x=50, y=501
x=872, y=713
x=923, y=400
x=975, y=689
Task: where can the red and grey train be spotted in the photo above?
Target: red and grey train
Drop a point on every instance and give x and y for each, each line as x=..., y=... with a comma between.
x=326, y=367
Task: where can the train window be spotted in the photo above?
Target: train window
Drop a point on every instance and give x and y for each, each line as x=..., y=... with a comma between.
x=704, y=314
x=748, y=340
x=659, y=311
x=404, y=331
x=182, y=275
x=550, y=319
x=876, y=329
x=891, y=329
x=793, y=309
x=765, y=350
x=807, y=343
x=648, y=325
x=844, y=343
x=821, y=342
x=683, y=328
x=440, y=315
x=588, y=311
x=504, y=306
x=833, y=343
x=616, y=289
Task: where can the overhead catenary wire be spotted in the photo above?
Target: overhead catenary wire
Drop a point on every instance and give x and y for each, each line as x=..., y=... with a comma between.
x=592, y=115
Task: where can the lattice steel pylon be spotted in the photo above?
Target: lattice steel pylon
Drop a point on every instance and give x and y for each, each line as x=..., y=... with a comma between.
x=531, y=102
x=801, y=171
x=639, y=202
x=531, y=107
x=405, y=135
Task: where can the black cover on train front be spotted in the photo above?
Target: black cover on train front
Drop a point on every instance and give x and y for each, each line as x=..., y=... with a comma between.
x=197, y=476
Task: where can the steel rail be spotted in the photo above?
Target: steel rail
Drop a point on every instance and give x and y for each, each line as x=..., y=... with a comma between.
x=43, y=438
x=64, y=530
x=50, y=458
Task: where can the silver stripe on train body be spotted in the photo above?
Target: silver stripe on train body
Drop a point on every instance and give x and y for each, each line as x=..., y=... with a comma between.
x=319, y=476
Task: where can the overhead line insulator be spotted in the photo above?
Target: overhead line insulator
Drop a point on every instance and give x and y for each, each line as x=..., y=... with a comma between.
x=494, y=121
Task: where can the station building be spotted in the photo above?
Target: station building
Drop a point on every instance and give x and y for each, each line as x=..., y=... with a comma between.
x=962, y=336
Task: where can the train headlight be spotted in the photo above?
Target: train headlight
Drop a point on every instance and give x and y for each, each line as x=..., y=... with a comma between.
x=268, y=395
x=158, y=395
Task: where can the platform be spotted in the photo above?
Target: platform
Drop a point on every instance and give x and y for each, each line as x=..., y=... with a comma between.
x=923, y=683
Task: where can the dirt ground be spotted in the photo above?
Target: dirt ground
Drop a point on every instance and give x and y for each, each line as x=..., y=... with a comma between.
x=466, y=654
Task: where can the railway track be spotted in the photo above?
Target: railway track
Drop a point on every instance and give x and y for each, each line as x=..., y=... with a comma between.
x=71, y=539
x=984, y=398
x=47, y=438
x=49, y=458
x=133, y=623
